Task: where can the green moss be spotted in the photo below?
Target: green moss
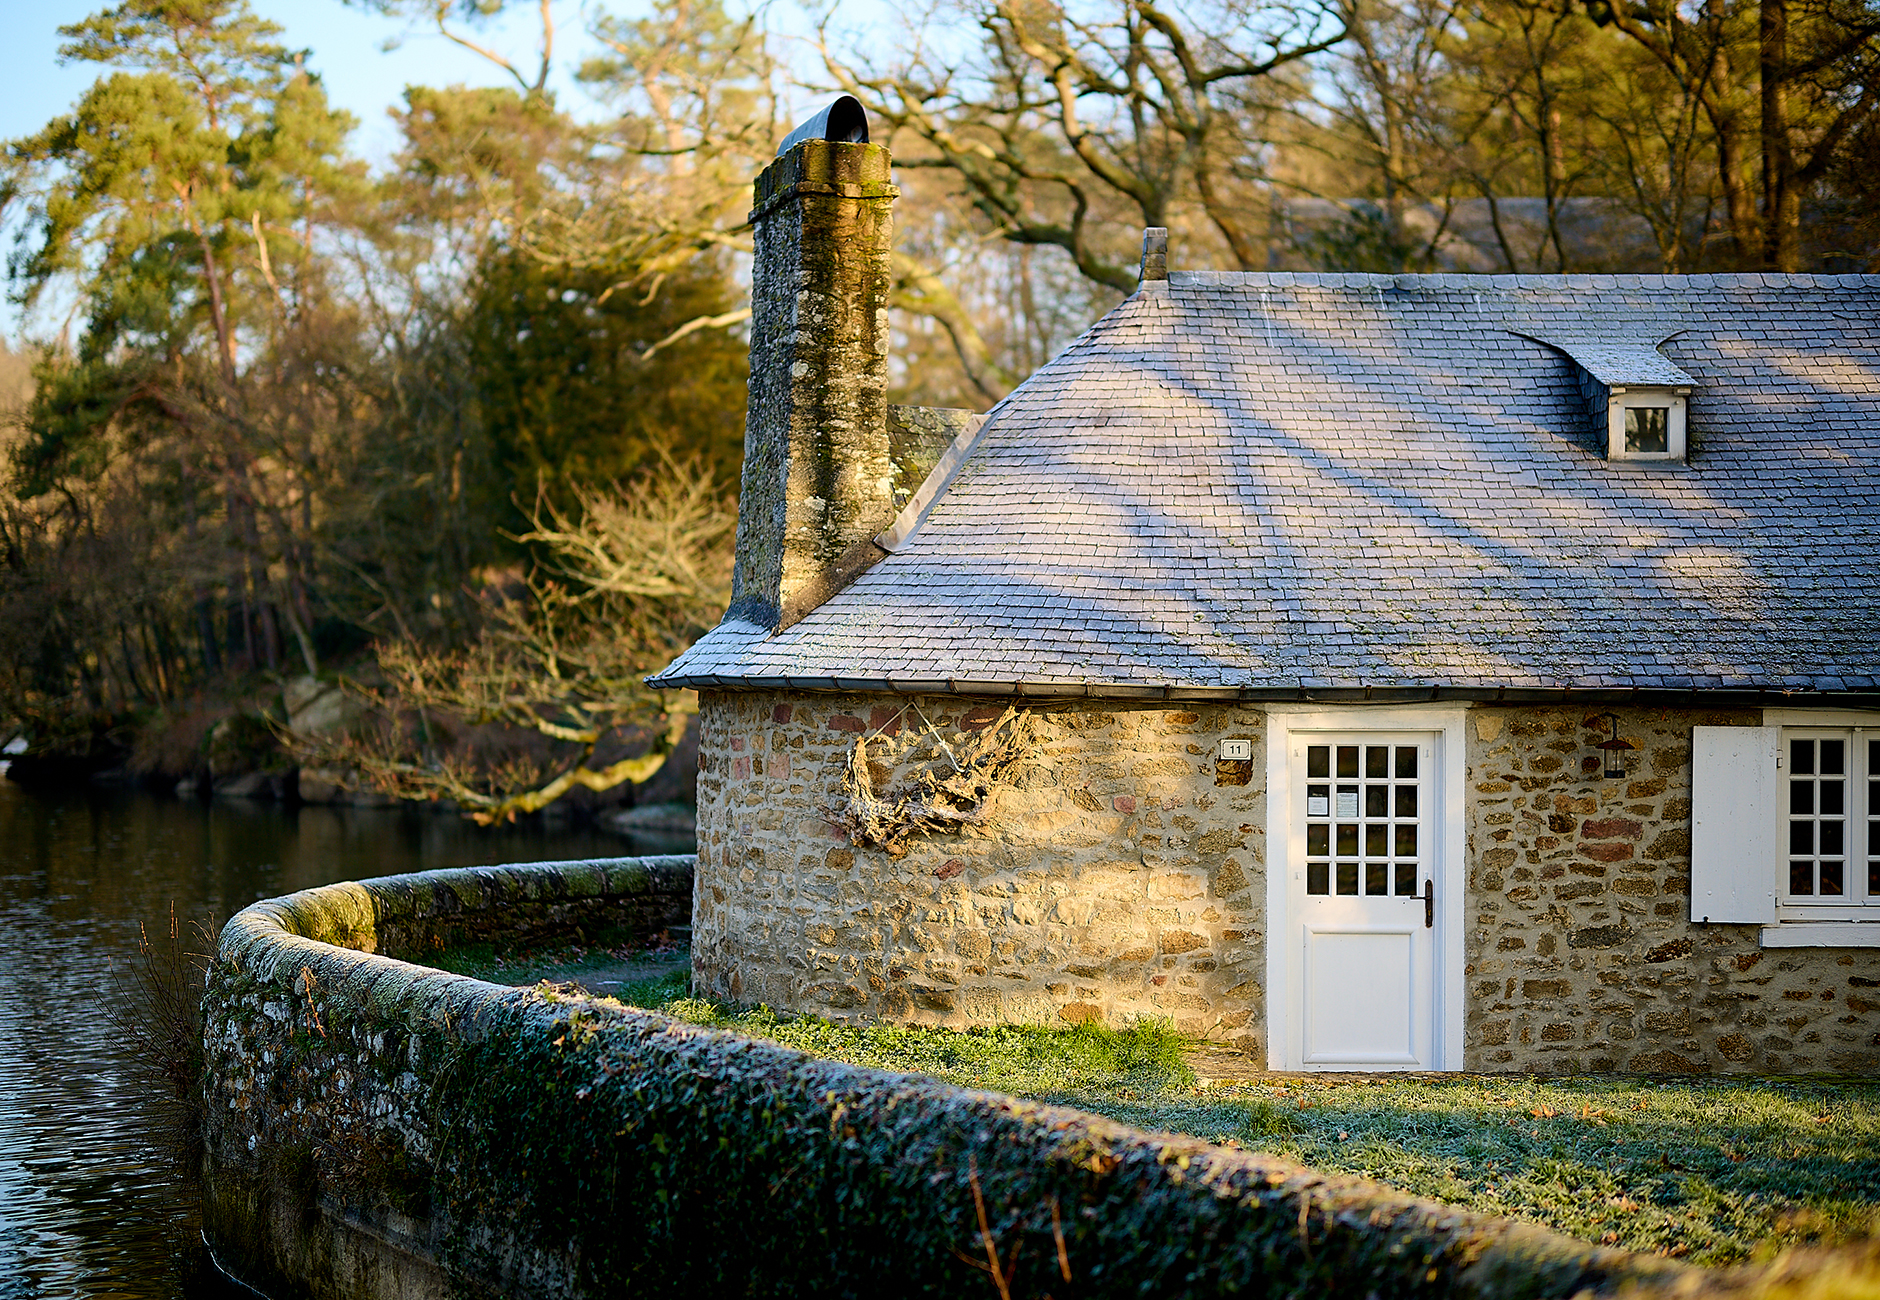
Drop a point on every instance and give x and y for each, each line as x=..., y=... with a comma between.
x=342, y=915
x=516, y=963
x=1714, y=1170
x=466, y=888
x=629, y=880
x=661, y=1159
x=583, y=880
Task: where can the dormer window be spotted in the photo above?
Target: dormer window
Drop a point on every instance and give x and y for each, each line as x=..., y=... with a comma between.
x=1636, y=398
x=1646, y=424
x=1647, y=428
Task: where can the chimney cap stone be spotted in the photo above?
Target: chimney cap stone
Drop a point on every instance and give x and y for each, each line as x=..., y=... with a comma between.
x=841, y=120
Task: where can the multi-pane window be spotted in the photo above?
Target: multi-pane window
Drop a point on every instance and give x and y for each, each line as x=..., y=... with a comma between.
x=1362, y=819
x=1832, y=817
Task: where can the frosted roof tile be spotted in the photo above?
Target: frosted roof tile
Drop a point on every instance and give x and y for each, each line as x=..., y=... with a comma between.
x=1385, y=479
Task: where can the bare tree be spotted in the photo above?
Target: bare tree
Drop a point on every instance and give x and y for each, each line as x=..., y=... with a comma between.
x=1784, y=83
x=552, y=695
x=455, y=19
x=1057, y=125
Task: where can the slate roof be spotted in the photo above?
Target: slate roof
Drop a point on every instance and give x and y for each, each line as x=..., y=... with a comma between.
x=1616, y=364
x=1244, y=484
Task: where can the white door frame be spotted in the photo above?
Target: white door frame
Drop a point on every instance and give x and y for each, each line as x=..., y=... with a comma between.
x=1284, y=1033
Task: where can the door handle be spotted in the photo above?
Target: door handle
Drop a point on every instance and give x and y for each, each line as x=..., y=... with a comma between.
x=1429, y=904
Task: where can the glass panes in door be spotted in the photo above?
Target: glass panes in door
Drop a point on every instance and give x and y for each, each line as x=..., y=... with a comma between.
x=1362, y=819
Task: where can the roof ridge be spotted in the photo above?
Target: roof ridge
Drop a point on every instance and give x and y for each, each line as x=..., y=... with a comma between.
x=1201, y=277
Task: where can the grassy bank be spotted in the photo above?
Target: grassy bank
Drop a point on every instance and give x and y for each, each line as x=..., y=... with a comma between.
x=1715, y=1170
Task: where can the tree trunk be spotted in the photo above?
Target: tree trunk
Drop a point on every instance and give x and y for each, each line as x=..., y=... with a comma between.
x=1782, y=200
x=1554, y=164
x=1738, y=197
x=199, y=594
x=238, y=584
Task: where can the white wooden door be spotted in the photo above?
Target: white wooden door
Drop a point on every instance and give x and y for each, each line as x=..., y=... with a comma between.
x=1363, y=828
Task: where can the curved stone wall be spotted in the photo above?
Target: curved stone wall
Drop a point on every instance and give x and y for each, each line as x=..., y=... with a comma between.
x=322, y=1042
x=377, y=1128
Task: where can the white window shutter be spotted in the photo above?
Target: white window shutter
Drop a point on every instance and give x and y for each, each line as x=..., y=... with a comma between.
x=1735, y=854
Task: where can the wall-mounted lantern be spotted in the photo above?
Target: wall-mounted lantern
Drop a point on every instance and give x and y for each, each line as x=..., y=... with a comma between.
x=1615, y=750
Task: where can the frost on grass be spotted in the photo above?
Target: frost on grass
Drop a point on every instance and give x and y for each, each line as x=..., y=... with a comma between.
x=1713, y=1171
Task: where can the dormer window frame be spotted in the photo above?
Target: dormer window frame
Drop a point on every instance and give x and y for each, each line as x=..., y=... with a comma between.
x=1617, y=375
x=1646, y=396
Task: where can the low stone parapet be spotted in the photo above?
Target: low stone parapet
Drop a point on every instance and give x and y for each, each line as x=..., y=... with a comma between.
x=379, y=1128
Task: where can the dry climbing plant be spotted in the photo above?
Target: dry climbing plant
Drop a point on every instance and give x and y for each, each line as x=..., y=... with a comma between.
x=951, y=792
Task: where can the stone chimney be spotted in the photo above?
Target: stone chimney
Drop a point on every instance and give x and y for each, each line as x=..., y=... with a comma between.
x=818, y=475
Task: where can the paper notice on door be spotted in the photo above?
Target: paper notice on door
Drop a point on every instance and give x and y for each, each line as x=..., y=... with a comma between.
x=1347, y=801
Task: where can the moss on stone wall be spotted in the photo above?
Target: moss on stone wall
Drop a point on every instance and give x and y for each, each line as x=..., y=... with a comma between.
x=670, y=1157
x=378, y=1128
x=371, y=1115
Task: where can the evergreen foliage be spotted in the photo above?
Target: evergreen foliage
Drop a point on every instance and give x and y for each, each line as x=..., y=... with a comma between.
x=307, y=409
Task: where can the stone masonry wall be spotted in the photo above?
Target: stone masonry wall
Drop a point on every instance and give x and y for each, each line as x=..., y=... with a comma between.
x=380, y=1129
x=1119, y=877
x=818, y=473
x=1580, y=951
x=1122, y=875
x=326, y=1171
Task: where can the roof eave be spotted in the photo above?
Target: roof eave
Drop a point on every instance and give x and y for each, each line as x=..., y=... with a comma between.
x=1711, y=697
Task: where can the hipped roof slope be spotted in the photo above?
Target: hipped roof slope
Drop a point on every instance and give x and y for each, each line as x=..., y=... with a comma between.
x=1260, y=484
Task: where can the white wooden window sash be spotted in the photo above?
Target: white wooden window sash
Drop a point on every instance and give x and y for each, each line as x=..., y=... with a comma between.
x=1759, y=850
x=1829, y=807
x=1673, y=401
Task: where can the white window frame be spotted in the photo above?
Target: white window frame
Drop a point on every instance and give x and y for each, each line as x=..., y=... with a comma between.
x=1855, y=921
x=1624, y=399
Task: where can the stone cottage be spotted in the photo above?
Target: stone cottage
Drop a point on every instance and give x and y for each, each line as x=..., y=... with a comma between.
x=1379, y=672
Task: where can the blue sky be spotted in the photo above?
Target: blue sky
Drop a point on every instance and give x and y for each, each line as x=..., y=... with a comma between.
x=348, y=45
x=349, y=51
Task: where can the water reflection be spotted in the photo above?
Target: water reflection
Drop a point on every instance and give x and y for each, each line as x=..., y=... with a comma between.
x=90, y=1205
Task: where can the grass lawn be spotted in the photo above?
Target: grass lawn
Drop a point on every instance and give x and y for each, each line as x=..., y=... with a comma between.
x=614, y=960
x=1714, y=1170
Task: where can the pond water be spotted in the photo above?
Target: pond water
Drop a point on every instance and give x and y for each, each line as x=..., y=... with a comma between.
x=92, y=1203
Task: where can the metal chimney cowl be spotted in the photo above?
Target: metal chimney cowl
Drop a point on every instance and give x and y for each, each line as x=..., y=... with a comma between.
x=818, y=476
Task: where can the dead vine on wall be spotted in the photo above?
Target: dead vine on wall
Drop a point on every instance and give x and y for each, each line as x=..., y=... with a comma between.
x=950, y=793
